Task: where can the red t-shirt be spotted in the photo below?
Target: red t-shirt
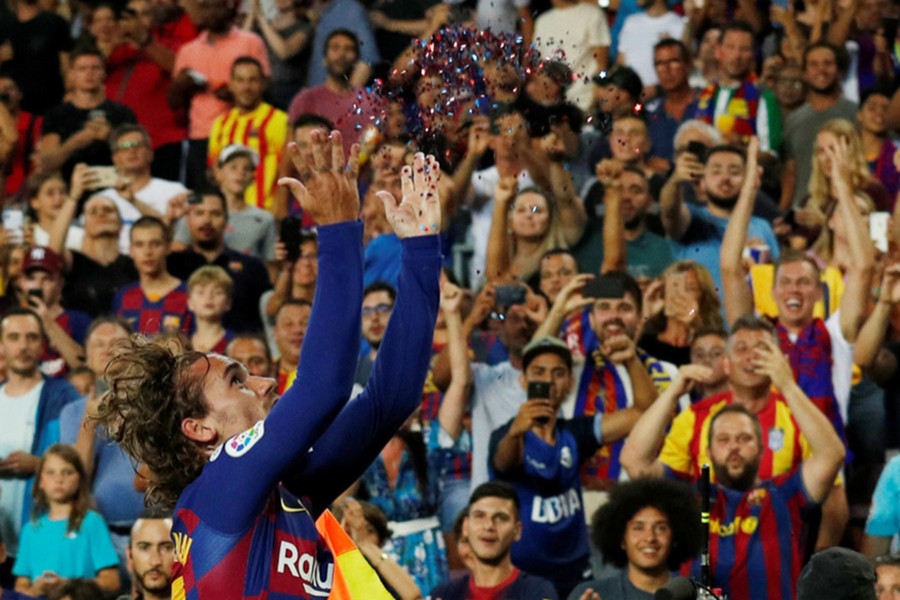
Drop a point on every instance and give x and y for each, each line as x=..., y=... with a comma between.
x=491, y=593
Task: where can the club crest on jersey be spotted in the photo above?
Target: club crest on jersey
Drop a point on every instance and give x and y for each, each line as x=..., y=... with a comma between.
x=776, y=439
x=240, y=444
x=565, y=457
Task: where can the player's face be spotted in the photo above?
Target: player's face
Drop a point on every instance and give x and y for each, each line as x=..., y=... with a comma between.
x=648, y=540
x=236, y=399
x=59, y=479
x=252, y=354
x=99, y=346
x=530, y=216
x=209, y=301
x=550, y=368
x=492, y=528
x=376, y=311
x=151, y=554
x=796, y=291
x=614, y=316
x=734, y=450
x=742, y=353
x=149, y=248
x=21, y=344
x=888, y=585
x=556, y=272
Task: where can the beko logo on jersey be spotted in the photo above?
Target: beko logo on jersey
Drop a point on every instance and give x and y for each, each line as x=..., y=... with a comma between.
x=556, y=508
x=305, y=567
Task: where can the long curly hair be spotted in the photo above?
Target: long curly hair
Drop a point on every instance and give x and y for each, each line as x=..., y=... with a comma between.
x=708, y=305
x=675, y=499
x=81, y=501
x=151, y=391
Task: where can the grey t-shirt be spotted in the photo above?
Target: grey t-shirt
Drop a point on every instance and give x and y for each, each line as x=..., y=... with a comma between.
x=617, y=587
x=799, y=137
x=250, y=231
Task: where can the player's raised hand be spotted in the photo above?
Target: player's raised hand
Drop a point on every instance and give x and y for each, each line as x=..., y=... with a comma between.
x=328, y=191
x=419, y=211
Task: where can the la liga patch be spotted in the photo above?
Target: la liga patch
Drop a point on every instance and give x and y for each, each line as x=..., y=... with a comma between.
x=240, y=444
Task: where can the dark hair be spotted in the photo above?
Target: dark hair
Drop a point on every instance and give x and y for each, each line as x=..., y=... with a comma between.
x=877, y=90
x=149, y=514
x=719, y=332
x=251, y=336
x=558, y=252
x=752, y=322
x=347, y=34
x=149, y=222
x=19, y=311
x=675, y=499
x=80, y=589
x=734, y=409
x=887, y=560
x=629, y=285
x=496, y=489
x=81, y=501
x=738, y=27
x=375, y=517
x=841, y=58
x=86, y=50
x=209, y=190
x=636, y=170
x=726, y=149
x=247, y=60
x=673, y=43
x=35, y=182
x=310, y=119
x=292, y=302
x=152, y=390
x=381, y=286
x=123, y=130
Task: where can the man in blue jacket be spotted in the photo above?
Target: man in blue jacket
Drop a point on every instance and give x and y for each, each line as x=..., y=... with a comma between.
x=29, y=413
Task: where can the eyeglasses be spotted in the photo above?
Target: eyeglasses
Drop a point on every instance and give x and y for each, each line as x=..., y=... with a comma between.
x=130, y=145
x=381, y=309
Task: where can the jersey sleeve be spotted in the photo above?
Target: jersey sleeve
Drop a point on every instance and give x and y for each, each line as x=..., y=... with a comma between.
x=394, y=389
x=244, y=471
x=103, y=553
x=496, y=436
x=676, y=450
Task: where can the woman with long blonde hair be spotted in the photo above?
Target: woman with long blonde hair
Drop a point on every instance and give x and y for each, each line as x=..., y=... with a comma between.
x=677, y=305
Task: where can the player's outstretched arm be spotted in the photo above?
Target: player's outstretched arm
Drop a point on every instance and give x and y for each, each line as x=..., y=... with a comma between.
x=394, y=390
x=241, y=476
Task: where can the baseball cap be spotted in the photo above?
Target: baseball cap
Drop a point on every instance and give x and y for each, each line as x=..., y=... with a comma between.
x=623, y=78
x=45, y=259
x=235, y=150
x=837, y=574
x=545, y=345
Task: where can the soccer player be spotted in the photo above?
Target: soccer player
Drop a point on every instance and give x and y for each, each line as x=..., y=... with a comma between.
x=246, y=486
x=755, y=527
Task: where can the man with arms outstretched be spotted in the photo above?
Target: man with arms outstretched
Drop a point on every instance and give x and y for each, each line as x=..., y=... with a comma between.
x=247, y=486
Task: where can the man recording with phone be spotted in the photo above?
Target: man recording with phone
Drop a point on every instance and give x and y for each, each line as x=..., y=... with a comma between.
x=542, y=455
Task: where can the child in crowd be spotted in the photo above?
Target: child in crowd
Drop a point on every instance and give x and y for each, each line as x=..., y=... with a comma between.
x=64, y=539
x=209, y=298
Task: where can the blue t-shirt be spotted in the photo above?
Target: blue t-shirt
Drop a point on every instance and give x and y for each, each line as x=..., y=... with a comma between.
x=48, y=545
x=554, y=540
x=884, y=518
x=702, y=242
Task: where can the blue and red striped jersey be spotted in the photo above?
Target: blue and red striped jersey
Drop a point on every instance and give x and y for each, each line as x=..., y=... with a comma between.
x=756, y=538
x=163, y=315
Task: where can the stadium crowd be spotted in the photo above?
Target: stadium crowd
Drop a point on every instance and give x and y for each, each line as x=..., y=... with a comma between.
x=670, y=235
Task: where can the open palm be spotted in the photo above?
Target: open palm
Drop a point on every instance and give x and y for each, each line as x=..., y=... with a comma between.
x=419, y=211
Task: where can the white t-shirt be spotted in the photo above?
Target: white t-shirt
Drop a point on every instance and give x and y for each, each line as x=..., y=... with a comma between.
x=500, y=16
x=571, y=33
x=497, y=395
x=640, y=33
x=155, y=194
x=483, y=185
x=19, y=417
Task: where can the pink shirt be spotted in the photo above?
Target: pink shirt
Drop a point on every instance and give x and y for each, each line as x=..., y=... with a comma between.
x=214, y=60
